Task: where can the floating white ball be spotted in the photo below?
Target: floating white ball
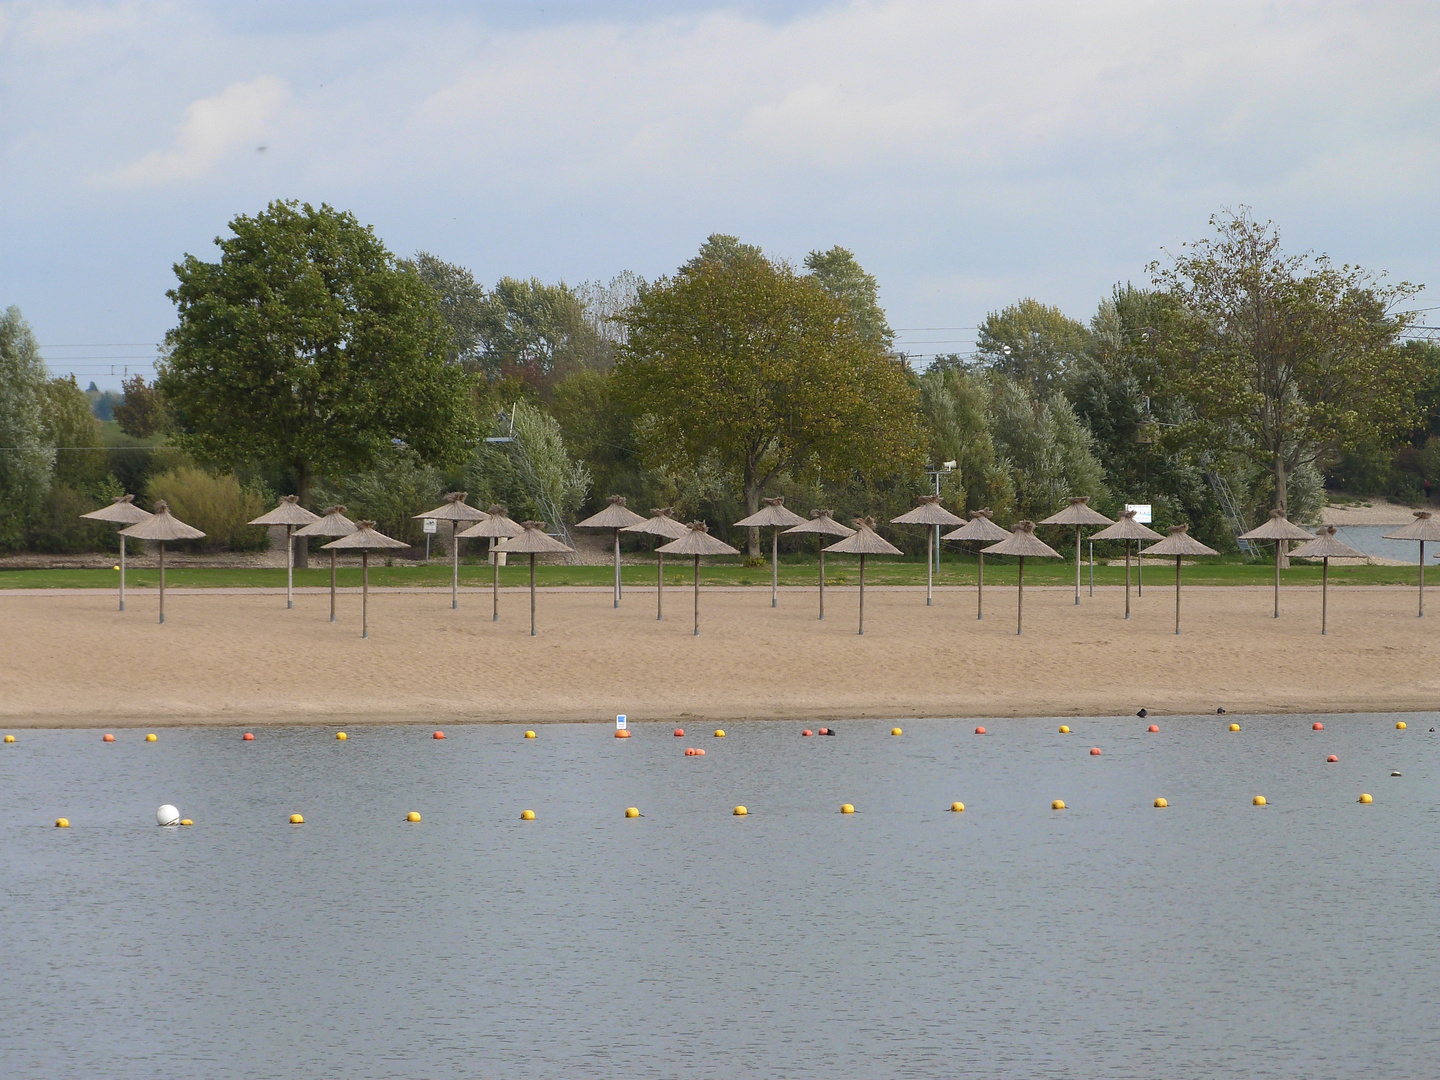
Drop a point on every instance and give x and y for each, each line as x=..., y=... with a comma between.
x=167, y=815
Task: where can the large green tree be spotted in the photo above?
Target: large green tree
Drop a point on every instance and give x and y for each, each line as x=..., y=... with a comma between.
x=26, y=455
x=308, y=344
x=741, y=360
x=839, y=274
x=1033, y=343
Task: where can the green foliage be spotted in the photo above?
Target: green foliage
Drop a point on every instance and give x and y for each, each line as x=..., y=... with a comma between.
x=58, y=527
x=534, y=475
x=843, y=278
x=1032, y=343
x=399, y=486
x=71, y=427
x=308, y=344
x=956, y=403
x=102, y=403
x=1048, y=451
x=218, y=506
x=462, y=305
x=141, y=412
x=535, y=333
x=26, y=461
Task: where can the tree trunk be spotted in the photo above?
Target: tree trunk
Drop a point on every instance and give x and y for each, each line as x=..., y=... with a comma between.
x=302, y=488
x=752, y=506
x=1282, y=503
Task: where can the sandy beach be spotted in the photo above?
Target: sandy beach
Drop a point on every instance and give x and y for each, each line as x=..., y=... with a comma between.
x=239, y=657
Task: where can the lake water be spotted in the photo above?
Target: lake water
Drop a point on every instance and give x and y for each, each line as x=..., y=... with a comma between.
x=1371, y=540
x=1210, y=939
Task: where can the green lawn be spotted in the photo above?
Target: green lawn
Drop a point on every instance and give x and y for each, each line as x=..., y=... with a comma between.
x=954, y=570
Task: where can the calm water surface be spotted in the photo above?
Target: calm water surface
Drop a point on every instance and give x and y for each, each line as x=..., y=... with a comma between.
x=1212, y=939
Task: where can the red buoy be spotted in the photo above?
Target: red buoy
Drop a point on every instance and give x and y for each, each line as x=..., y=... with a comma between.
x=679, y=732
x=1331, y=759
x=1094, y=751
x=979, y=731
x=247, y=737
x=1153, y=728
x=807, y=731
x=1317, y=726
x=438, y=735
x=107, y=737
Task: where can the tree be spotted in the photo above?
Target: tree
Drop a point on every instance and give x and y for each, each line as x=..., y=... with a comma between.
x=307, y=343
x=1294, y=356
x=536, y=333
x=1049, y=453
x=843, y=278
x=141, y=412
x=533, y=474
x=742, y=359
x=72, y=429
x=26, y=455
x=1031, y=342
x=956, y=403
x=462, y=303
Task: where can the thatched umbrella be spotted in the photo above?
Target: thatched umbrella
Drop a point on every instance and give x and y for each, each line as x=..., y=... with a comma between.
x=1127, y=529
x=1325, y=547
x=616, y=517
x=822, y=524
x=660, y=523
x=1423, y=528
x=1023, y=544
x=981, y=530
x=1279, y=530
x=1079, y=514
x=532, y=541
x=496, y=526
x=932, y=515
x=122, y=511
x=292, y=515
x=773, y=514
x=333, y=524
x=161, y=526
x=365, y=540
x=697, y=541
x=865, y=541
x=454, y=510
x=1180, y=543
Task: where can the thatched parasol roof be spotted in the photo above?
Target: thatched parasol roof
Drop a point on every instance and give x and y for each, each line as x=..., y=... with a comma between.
x=929, y=512
x=772, y=513
x=659, y=524
x=1023, y=541
x=1325, y=546
x=824, y=524
x=980, y=529
x=532, y=540
x=334, y=523
x=1127, y=528
x=1078, y=513
x=1276, y=528
x=162, y=525
x=698, y=541
x=614, y=516
x=865, y=541
x=1180, y=542
x=288, y=511
x=122, y=510
x=1424, y=527
x=496, y=524
x=364, y=538
x=454, y=508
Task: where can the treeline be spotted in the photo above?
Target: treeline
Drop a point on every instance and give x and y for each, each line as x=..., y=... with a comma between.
x=309, y=359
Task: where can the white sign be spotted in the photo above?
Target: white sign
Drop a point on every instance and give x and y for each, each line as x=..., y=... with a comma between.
x=432, y=524
x=1142, y=512
x=620, y=722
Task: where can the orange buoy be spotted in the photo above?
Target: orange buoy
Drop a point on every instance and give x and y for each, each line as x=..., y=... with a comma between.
x=699, y=752
x=1331, y=760
x=622, y=734
x=1317, y=726
x=438, y=735
x=1153, y=728
x=1094, y=751
x=679, y=733
x=979, y=731
x=107, y=737
x=247, y=737
x=806, y=732
x=824, y=731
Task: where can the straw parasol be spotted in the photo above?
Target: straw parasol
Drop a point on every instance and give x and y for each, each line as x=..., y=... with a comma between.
x=773, y=514
x=1325, y=547
x=496, y=526
x=1423, y=528
x=122, y=511
x=823, y=524
x=1079, y=514
x=981, y=530
x=697, y=541
x=365, y=540
x=1279, y=530
x=1180, y=543
x=532, y=540
x=660, y=523
x=1127, y=529
x=291, y=514
x=1023, y=544
x=932, y=515
x=333, y=524
x=162, y=526
x=454, y=510
x=864, y=541
x=616, y=517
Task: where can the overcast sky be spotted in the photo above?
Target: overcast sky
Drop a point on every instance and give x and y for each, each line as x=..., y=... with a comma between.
x=969, y=154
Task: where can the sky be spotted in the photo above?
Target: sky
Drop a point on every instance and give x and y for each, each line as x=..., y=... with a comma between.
x=969, y=154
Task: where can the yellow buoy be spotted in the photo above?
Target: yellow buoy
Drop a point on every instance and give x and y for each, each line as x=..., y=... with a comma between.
x=186, y=821
x=1400, y=725
x=1058, y=804
x=62, y=822
x=1161, y=804
x=847, y=808
x=413, y=817
x=115, y=567
x=150, y=737
x=1064, y=729
x=632, y=811
x=1258, y=800
x=719, y=733
x=527, y=815
x=1365, y=798
x=957, y=807
x=9, y=738
x=740, y=811
x=341, y=736
x=1234, y=727
x=297, y=819
x=896, y=731
x=529, y=734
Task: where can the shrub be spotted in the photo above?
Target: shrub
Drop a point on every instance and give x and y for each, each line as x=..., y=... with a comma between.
x=58, y=527
x=217, y=505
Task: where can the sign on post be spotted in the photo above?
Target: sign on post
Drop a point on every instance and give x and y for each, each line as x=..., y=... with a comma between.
x=1142, y=512
x=620, y=722
x=433, y=525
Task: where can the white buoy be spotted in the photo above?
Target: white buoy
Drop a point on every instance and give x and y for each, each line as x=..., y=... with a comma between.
x=167, y=815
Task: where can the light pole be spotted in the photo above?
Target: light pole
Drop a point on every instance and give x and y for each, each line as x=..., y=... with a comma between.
x=938, y=471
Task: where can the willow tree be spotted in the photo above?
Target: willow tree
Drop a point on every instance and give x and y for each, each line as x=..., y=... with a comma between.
x=741, y=361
